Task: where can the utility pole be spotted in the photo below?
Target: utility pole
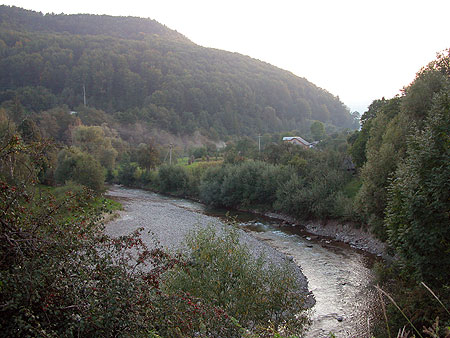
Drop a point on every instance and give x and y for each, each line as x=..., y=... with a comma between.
x=170, y=153
x=84, y=94
x=259, y=143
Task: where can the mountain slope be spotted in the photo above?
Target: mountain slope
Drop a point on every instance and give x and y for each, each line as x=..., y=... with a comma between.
x=139, y=70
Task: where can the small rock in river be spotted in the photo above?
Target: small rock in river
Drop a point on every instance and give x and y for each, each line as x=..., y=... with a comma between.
x=339, y=318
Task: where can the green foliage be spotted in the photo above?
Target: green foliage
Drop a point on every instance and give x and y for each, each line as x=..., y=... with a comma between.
x=61, y=276
x=173, y=179
x=56, y=124
x=418, y=207
x=317, y=130
x=78, y=166
x=250, y=183
x=92, y=140
x=405, y=191
x=223, y=272
x=147, y=156
x=357, y=150
x=128, y=174
x=382, y=140
x=17, y=157
x=411, y=300
x=308, y=185
x=200, y=152
x=312, y=197
x=352, y=187
x=138, y=70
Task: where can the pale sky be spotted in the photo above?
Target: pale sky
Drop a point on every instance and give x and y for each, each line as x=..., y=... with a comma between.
x=359, y=50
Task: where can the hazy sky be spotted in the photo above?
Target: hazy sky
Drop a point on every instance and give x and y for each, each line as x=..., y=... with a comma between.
x=357, y=49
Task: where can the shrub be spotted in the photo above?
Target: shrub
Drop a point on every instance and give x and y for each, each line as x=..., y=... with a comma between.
x=312, y=195
x=251, y=183
x=60, y=276
x=210, y=189
x=128, y=173
x=80, y=167
x=224, y=273
x=173, y=179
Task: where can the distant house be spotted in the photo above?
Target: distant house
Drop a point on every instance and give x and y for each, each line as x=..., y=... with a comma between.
x=297, y=140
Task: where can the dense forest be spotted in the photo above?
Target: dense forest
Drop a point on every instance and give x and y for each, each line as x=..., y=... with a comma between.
x=137, y=70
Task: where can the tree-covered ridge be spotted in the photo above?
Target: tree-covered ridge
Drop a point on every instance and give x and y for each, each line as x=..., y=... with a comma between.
x=84, y=24
x=157, y=78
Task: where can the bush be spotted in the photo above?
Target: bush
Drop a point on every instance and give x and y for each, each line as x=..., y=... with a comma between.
x=128, y=174
x=60, y=276
x=173, y=179
x=250, y=183
x=223, y=273
x=75, y=165
x=210, y=189
x=315, y=195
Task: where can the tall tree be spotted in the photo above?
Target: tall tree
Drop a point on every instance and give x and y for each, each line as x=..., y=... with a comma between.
x=418, y=208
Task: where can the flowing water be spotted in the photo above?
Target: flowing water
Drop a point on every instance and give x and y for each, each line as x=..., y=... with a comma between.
x=339, y=276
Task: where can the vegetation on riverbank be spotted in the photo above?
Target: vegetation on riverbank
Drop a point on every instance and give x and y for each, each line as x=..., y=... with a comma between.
x=401, y=193
x=61, y=276
x=403, y=152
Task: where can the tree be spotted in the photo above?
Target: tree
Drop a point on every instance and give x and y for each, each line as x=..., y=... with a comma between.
x=147, y=156
x=49, y=59
x=92, y=140
x=29, y=131
x=418, y=207
x=80, y=167
x=317, y=130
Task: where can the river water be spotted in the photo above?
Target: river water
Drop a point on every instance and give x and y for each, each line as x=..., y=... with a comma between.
x=339, y=276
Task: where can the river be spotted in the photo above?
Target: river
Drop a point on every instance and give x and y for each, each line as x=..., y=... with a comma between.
x=339, y=276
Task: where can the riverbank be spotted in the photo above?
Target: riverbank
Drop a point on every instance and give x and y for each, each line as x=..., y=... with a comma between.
x=348, y=233
x=169, y=223
x=340, y=231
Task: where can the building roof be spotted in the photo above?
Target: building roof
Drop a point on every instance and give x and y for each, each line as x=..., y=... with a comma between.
x=298, y=138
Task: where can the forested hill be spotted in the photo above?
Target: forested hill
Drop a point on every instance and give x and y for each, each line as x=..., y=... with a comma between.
x=136, y=70
x=84, y=24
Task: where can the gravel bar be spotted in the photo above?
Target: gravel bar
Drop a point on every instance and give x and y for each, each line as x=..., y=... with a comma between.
x=170, y=220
